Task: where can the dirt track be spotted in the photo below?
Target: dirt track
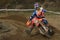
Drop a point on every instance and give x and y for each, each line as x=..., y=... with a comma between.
x=17, y=25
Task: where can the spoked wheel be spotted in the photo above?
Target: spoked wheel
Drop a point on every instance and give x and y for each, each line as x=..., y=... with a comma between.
x=48, y=34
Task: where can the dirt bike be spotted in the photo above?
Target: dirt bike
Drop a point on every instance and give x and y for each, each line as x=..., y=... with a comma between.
x=43, y=29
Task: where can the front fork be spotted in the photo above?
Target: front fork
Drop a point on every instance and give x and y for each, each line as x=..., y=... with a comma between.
x=43, y=26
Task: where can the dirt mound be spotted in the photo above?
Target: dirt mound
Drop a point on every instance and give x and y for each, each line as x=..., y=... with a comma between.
x=20, y=18
x=16, y=22
x=6, y=29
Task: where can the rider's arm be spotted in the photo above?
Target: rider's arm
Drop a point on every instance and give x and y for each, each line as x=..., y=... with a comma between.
x=44, y=10
x=33, y=15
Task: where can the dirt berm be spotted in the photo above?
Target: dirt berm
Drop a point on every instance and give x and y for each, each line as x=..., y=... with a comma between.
x=13, y=26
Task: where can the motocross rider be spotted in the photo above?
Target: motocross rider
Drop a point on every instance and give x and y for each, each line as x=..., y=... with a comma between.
x=39, y=13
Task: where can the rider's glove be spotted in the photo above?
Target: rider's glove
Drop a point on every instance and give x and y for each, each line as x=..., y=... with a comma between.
x=30, y=18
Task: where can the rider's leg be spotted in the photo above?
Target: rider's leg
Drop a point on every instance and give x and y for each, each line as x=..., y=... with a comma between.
x=45, y=22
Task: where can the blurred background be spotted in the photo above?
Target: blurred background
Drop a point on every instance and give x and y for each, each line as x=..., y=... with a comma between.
x=19, y=4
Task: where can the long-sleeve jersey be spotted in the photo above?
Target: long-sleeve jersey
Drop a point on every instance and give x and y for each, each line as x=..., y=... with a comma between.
x=38, y=16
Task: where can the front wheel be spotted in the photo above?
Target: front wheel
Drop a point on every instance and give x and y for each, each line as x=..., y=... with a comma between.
x=50, y=32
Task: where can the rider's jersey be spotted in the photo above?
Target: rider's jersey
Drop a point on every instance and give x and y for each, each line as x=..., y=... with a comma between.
x=38, y=14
